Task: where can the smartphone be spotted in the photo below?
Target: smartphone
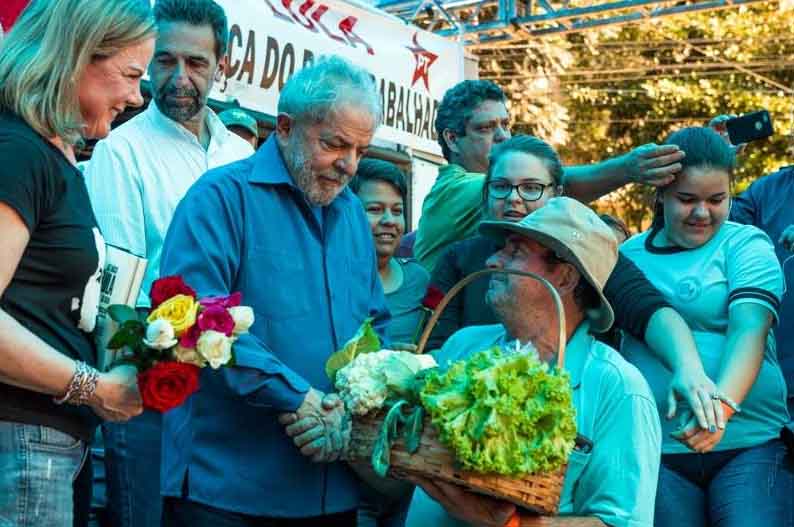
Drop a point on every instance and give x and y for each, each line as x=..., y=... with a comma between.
x=749, y=127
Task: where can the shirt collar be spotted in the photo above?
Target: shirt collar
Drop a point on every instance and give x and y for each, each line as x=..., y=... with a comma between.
x=451, y=170
x=218, y=132
x=576, y=352
x=269, y=169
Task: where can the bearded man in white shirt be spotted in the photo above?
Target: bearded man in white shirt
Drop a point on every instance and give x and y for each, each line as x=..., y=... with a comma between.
x=136, y=178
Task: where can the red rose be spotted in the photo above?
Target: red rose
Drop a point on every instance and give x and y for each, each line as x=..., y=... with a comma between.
x=167, y=385
x=167, y=287
x=216, y=318
x=433, y=297
x=233, y=300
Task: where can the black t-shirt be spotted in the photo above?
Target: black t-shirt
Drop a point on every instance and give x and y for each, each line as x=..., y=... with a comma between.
x=55, y=289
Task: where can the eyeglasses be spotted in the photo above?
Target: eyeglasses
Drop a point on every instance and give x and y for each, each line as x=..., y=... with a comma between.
x=501, y=188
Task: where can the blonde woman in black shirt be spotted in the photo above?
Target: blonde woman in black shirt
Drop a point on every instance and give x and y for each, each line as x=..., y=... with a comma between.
x=67, y=69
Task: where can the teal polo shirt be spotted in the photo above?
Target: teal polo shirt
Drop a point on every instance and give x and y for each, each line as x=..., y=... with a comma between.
x=616, y=480
x=736, y=266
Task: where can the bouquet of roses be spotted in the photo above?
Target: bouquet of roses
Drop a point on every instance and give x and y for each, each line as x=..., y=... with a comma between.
x=180, y=335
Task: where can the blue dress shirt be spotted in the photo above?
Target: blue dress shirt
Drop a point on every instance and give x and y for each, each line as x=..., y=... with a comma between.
x=247, y=227
x=767, y=205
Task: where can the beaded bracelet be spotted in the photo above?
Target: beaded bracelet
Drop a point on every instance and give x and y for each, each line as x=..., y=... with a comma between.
x=82, y=386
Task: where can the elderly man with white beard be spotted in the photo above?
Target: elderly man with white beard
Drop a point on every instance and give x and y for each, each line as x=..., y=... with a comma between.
x=259, y=443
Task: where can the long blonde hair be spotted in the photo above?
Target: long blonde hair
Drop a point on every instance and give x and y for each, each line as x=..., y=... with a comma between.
x=43, y=57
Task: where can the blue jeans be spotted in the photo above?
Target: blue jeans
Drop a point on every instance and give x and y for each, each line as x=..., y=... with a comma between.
x=132, y=469
x=38, y=466
x=748, y=487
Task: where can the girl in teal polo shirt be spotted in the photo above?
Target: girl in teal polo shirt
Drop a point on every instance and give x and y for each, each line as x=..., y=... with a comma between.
x=725, y=281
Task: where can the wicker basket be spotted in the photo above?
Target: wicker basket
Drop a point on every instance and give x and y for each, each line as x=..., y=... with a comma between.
x=539, y=493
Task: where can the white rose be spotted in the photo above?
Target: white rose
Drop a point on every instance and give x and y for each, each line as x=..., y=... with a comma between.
x=243, y=317
x=189, y=356
x=215, y=347
x=160, y=335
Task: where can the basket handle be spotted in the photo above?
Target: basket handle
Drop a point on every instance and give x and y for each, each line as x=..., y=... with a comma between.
x=454, y=290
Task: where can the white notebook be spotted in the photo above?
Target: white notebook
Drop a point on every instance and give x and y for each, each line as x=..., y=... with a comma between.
x=121, y=283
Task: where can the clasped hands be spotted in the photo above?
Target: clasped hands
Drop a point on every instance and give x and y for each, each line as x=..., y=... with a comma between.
x=320, y=427
x=702, y=424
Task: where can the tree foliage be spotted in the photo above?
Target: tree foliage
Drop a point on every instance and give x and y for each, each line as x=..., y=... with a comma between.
x=600, y=93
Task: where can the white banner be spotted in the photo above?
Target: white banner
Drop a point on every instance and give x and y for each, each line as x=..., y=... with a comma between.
x=270, y=39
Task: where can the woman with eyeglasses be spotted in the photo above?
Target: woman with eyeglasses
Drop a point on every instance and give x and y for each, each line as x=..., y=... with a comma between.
x=524, y=173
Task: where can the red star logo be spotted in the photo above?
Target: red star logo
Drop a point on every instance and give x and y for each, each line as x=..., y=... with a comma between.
x=424, y=59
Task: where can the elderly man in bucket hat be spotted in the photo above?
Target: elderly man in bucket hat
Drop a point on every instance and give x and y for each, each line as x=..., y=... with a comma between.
x=612, y=472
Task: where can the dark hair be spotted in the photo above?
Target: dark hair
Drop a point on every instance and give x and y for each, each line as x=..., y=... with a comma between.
x=527, y=144
x=616, y=223
x=584, y=294
x=196, y=13
x=703, y=147
x=458, y=104
x=370, y=169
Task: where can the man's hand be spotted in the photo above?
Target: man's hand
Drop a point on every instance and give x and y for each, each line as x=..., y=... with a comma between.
x=466, y=506
x=320, y=427
x=653, y=164
x=718, y=124
x=787, y=238
x=116, y=397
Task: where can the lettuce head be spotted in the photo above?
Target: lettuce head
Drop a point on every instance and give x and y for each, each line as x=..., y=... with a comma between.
x=509, y=414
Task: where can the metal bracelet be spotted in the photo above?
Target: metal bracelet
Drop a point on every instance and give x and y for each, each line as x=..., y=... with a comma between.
x=82, y=386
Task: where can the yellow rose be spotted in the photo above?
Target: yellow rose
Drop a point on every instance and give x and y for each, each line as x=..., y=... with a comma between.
x=179, y=310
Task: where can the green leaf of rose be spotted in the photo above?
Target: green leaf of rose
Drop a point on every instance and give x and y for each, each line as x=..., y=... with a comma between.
x=123, y=337
x=121, y=313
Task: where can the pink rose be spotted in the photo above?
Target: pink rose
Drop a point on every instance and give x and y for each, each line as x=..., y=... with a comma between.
x=216, y=318
x=190, y=337
x=225, y=302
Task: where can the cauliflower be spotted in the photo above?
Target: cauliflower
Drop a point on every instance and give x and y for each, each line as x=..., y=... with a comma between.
x=370, y=379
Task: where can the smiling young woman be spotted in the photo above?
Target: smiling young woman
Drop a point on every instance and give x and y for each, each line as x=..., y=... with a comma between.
x=726, y=282
x=381, y=187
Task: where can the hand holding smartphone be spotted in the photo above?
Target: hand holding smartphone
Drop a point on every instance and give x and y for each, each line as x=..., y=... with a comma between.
x=749, y=127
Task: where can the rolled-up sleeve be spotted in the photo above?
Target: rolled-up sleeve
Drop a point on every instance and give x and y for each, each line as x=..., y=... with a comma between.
x=633, y=297
x=204, y=246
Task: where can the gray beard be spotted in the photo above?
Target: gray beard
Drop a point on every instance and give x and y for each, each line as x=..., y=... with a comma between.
x=179, y=114
x=299, y=167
